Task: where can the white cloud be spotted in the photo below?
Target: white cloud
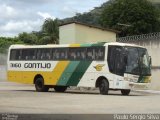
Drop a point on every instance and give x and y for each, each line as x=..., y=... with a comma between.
x=69, y=11
x=45, y=15
x=7, y=11
x=20, y=26
x=18, y=16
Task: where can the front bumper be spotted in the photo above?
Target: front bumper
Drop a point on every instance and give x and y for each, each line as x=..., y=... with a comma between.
x=139, y=86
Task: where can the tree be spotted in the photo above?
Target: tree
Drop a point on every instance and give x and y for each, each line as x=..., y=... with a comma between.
x=50, y=31
x=131, y=17
x=5, y=42
x=28, y=38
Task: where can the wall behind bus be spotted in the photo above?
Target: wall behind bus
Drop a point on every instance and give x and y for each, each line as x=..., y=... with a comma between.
x=153, y=48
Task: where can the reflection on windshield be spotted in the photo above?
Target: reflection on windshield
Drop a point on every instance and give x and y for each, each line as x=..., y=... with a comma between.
x=144, y=62
x=132, y=61
x=137, y=61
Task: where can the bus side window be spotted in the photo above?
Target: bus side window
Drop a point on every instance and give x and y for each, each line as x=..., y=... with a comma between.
x=32, y=54
x=119, y=63
x=42, y=54
x=48, y=54
x=90, y=53
x=28, y=54
x=63, y=53
x=111, y=58
x=15, y=54
x=83, y=53
x=99, y=53
x=57, y=54
x=12, y=54
x=72, y=54
x=38, y=54
x=24, y=54
x=53, y=54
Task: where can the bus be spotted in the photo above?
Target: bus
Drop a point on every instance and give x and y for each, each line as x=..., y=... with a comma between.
x=106, y=66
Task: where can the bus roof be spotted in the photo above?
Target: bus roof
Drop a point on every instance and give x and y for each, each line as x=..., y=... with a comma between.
x=73, y=45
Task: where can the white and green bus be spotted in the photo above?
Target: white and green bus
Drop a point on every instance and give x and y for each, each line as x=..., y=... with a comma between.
x=107, y=66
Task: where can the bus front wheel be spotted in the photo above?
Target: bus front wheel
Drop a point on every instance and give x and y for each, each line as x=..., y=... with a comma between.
x=60, y=88
x=104, y=87
x=39, y=85
x=125, y=92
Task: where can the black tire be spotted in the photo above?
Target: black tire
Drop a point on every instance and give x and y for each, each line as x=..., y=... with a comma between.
x=39, y=85
x=125, y=92
x=104, y=87
x=60, y=88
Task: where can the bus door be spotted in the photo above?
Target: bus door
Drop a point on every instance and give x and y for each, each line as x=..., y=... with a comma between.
x=117, y=64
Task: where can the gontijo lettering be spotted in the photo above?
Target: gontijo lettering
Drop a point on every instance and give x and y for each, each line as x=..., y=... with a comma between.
x=31, y=65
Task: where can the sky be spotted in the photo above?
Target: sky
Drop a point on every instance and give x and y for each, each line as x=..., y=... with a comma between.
x=17, y=16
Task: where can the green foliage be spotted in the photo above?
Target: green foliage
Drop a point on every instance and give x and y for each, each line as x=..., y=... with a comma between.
x=50, y=32
x=28, y=38
x=131, y=17
x=91, y=17
x=5, y=42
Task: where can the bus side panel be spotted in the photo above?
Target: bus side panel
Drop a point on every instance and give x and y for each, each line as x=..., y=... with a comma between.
x=27, y=77
x=14, y=71
x=15, y=76
x=56, y=73
x=78, y=73
x=95, y=70
x=67, y=73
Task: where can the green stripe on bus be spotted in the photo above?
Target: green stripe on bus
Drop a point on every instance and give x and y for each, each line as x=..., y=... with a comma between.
x=68, y=72
x=81, y=69
x=98, y=44
x=75, y=70
x=78, y=73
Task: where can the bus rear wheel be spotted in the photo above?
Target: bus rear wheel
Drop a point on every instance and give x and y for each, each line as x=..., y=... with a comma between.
x=104, y=87
x=39, y=85
x=60, y=88
x=125, y=92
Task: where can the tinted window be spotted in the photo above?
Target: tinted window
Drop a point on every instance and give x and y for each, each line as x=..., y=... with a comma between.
x=116, y=60
x=15, y=54
x=59, y=54
x=132, y=60
x=99, y=53
x=44, y=54
x=82, y=53
x=95, y=53
x=29, y=54
x=77, y=53
x=111, y=58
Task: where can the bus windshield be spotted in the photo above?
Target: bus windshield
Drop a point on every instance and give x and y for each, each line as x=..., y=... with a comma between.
x=138, y=61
